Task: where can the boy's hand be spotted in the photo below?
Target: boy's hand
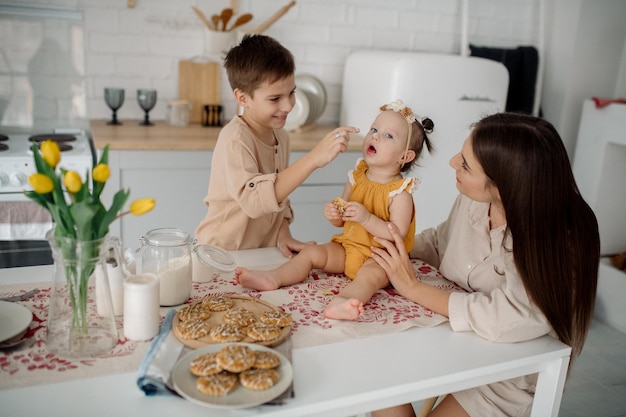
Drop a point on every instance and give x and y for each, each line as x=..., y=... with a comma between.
x=290, y=246
x=334, y=143
x=287, y=244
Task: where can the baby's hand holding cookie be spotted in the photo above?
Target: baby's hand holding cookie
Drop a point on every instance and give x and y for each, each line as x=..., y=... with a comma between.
x=340, y=203
x=331, y=211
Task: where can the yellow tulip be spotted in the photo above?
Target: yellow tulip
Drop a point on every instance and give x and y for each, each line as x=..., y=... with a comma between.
x=41, y=183
x=50, y=153
x=142, y=206
x=72, y=181
x=101, y=173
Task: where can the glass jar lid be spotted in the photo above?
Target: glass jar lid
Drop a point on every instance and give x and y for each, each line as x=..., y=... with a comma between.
x=216, y=258
x=166, y=237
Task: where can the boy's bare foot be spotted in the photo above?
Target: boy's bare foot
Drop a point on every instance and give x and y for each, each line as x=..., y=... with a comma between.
x=256, y=280
x=341, y=308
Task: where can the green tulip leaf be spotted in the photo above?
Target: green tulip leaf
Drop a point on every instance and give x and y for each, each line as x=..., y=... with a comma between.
x=118, y=202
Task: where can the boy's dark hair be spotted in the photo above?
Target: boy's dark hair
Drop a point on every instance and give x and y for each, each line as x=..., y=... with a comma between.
x=257, y=59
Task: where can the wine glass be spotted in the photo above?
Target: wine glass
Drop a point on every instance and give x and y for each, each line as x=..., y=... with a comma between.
x=147, y=100
x=114, y=98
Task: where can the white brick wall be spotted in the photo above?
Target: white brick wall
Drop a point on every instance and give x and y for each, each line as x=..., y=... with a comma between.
x=140, y=47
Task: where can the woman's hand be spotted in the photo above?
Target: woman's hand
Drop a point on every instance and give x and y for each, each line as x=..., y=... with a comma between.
x=395, y=260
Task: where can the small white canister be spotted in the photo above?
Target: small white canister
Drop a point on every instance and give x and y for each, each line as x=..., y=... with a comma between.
x=210, y=263
x=178, y=112
x=141, y=307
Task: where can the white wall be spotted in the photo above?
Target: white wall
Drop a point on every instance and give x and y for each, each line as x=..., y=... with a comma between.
x=140, y=47
x=586, y=57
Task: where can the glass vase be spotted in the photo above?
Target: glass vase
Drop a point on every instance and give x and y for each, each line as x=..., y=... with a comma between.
x=76, y=327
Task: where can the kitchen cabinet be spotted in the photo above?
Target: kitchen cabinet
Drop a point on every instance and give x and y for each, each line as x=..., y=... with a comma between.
x=177, y=180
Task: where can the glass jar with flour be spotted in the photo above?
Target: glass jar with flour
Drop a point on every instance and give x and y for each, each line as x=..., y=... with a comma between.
x=166, y=252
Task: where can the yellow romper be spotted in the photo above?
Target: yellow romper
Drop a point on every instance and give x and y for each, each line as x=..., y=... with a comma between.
x=355, y=240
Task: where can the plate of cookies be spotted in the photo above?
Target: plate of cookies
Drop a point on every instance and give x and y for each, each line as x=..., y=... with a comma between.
x=231, y=318
x=232, y=375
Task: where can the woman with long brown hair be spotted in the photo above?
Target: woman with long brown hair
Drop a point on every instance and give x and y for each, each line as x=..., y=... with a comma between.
x=520, y=240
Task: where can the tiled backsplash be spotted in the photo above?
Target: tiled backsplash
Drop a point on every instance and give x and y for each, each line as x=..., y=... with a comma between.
x=55, y=69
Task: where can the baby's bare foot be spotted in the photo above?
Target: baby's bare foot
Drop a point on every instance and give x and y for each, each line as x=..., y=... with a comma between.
x=256, y=280
x=341, y=308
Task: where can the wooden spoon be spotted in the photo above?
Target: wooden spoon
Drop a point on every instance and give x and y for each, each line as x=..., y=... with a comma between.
x=269, y=22
x=215, y=19
x=226, y=15
x=241, y=20
x=203, y=18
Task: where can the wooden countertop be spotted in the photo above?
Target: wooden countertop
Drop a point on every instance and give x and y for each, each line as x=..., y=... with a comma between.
x=131, y=136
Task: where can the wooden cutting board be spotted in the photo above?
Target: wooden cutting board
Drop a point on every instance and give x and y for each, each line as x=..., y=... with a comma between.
x=198, y=83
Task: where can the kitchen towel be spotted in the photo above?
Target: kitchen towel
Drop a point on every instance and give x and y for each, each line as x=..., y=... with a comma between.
x=153, y=376
x=155, y=370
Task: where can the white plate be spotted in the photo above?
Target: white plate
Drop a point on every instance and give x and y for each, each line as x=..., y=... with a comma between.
x=14, y=319
x=185, y=382
x=316, y=94
x=300, y=112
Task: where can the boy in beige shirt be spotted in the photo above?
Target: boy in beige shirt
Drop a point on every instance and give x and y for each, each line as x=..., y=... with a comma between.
x=247, y=204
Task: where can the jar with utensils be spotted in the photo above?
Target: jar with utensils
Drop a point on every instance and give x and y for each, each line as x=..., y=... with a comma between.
x=166, y=252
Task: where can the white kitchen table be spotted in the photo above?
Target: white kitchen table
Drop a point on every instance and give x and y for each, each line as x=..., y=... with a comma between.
x=337, y=379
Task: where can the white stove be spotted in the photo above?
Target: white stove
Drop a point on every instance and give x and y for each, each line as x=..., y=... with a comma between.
x=17, y=163
x=23, y=223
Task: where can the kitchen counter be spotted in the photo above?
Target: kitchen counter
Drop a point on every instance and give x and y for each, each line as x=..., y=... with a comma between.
x=162, y=136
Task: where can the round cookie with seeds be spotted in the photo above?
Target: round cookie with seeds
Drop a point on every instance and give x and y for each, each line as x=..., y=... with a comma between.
x=259, y=379
x=277, y=317
x=217, y=385
x=205, y=365
x=226, y=332
x=263, y=332
x=236, y=358
x=194, y=312
x=266, y=360
x=340, y=203
x=240, y=316
x=218, y=302
x=193, y=329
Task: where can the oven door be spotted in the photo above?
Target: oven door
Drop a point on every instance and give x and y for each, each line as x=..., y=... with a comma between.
x=23, y=228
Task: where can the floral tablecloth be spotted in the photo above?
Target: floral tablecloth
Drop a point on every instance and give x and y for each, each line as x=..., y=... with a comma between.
x=29, y=363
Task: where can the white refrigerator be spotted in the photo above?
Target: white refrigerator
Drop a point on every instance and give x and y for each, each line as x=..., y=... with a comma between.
x=454, y=91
